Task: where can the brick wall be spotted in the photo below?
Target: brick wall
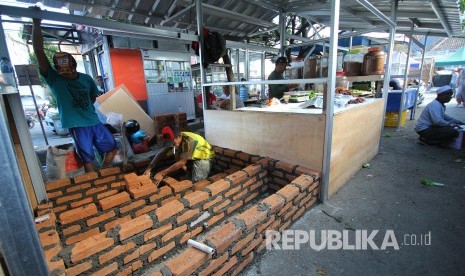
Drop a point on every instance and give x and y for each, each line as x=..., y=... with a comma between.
x=130, y=223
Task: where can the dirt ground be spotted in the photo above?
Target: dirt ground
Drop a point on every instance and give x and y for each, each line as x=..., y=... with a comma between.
x=389, y=196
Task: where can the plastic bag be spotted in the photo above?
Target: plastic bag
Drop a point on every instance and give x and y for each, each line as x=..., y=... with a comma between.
x=61, y=162
x=115, y=120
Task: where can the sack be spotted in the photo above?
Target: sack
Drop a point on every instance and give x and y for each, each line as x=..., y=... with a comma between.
x=215, y=46
x=63, y=162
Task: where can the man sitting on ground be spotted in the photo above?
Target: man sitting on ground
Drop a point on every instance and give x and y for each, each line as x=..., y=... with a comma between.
x=434, y=126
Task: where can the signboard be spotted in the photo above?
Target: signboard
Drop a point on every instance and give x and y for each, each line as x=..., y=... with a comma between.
x=27, y=74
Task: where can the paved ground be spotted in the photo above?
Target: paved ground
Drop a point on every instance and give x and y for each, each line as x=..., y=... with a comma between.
x=389, y=196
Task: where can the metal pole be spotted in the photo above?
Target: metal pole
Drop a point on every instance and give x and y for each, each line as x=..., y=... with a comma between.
x=20, y=243
x=387, y=73
x=328, y=108
x=37, y=109
x=203, y=78
x=282, y=32
x=414, y=109
x=407, y=69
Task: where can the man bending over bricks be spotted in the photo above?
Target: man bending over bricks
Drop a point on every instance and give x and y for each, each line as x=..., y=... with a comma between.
x=75, y=94
x=192, y=152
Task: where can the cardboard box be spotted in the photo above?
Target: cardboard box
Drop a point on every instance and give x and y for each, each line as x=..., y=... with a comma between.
x=120, y=100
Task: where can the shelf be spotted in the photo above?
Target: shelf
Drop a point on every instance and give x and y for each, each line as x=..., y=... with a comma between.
x=366, y=78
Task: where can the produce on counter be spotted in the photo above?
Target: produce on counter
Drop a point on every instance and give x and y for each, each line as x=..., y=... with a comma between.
x=356, y=101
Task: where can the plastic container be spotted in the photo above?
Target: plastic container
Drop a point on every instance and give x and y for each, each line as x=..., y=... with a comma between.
x=394, y=97
x=342, y=80
x=340, y=57
x=310, y=66
x=244, y=93
x=392, y=117
x=373, y=62
x=353, y=64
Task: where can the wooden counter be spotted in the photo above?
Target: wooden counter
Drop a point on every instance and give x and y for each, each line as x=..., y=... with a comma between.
x=298, y=138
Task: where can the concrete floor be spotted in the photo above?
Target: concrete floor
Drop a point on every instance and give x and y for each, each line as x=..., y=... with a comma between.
x=389, y=196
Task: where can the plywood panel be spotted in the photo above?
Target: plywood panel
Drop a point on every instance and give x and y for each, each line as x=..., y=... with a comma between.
x=356, y=134
x=293, y=138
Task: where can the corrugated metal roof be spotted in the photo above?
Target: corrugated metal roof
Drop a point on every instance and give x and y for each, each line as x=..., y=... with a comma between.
x=240, y=18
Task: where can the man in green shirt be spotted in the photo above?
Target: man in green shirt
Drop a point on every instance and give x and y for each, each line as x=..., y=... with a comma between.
x=277, y=90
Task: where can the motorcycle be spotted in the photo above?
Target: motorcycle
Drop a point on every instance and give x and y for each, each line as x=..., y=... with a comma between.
x=30, y=120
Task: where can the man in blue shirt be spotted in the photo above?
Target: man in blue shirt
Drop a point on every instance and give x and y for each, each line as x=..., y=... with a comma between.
x=277, y=90
x=75, y=94
x=434, y=126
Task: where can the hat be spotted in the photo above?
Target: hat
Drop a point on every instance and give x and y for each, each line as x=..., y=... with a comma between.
x=444, y=89
x=169, y=132
x=281, y=60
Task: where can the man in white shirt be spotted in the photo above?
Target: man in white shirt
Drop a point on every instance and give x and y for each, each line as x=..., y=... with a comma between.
x=225, y=99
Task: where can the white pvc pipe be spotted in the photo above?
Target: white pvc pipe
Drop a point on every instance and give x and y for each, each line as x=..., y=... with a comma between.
x=202, y=247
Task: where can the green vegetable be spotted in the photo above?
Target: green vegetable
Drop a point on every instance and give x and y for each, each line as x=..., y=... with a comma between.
x=428, y=182
x=365, y=165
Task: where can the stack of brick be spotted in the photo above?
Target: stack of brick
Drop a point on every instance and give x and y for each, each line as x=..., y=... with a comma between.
x=131, y=223
x=242, y=238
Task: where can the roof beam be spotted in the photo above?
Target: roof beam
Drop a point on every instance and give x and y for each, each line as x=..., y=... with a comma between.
x=159, y=31
x=223, y=13
x=437, y=10
x=169, y=11
x=179, y=14
x=263, y=31
x=154, y=7
x=377, y=12
x=133, y=10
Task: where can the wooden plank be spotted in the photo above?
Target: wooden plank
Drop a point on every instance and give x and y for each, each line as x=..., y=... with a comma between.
x=293, y=138
x=356, y=135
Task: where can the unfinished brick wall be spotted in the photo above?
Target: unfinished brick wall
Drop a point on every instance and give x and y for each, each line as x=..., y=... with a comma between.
x=129, y=223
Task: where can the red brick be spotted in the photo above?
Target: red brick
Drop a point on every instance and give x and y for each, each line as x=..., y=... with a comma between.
x=109, y=171
x=305, y=200
x=162, y=251
x=81, y=202
x=215, y=219
x=265, y=162
x=303, y=182
x=230, y=152
x=310, y=203
x=168, y=210
x=234, y=207
x=162, y=192
x=70, y=230
x=59, y=209
x=145, y=180
x=107, y=270
x=56, y=267
x=173, y=233
x=107, y=194
x=44, y=212
x=139, y=252
x=82, y=236
x=255, y=243
x=105, y=180
x=142, y=191
x=252, y=170
x=53, y=185
x=86, y=177
x=157, y=232
x=303, y=170
x=279, y=174
x=187, y=215
x=250, y=197
x=298, y=214
x=181, y=186
x=212, y=202
x=265, y=225
x=218, y=187
x=243, y=264
x=135, y=226
x=47, y=223
x=196, y=197
x=113, y=223
x=285, y=208
x=131, y=206
x=117, y=185
x=288, y=168
x=169, y=199
x=188, y=262
x=114, y=200
x=79, y=269
x=214, y=264
x=116, y=251
x=68, y=198
x=237, y=177
x=274, y=203
x=240, y=195
x=227, y=266
x=52, y=252
x=78, y=213
x=221, y=206
x=96, y=190
x=146, y=209
x=77, y=188
x=44, y=206
x=232, y=191
x=289, y=192
x=90, y=246
x=299, y=197
x=284, y=226
x=130, y=177
x=217, y=176
x=240, y=244
x=252, y=217
x=101, y=218
x=314, y=186
x=133, y=267
x=280, y=182
x=222, y=238
x=201, y=184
